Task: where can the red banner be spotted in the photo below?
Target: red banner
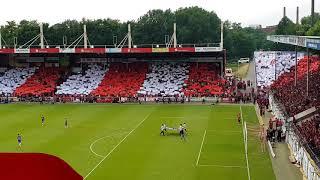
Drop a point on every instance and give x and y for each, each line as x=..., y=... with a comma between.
x=91, y=50
x=6, y=51
x=136, y=50
x=183, y=49
x=47, y=50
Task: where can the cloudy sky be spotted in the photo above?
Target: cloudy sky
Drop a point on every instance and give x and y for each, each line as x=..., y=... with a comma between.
x=247, y=12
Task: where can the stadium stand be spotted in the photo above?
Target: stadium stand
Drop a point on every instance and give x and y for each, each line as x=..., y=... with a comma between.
x=14, y=78
x=294, y=98
x=271, y=64
x=42, y=82
x=309, y=130
x=204, y=80
x=165, y=79
x=83, y=83
x=122, y=80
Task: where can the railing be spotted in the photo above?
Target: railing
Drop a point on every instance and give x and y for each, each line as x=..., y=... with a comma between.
x=305, y=144
x=155, y=45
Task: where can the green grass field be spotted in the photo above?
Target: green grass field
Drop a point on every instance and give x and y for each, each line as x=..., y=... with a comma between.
x=123, y=141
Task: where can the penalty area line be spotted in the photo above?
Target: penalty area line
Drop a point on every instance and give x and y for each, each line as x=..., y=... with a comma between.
x=204, y=135
x=105, y=157
x=222, y=166
x=244, y=143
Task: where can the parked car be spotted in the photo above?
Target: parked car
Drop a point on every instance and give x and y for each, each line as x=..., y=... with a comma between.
x=244, y=60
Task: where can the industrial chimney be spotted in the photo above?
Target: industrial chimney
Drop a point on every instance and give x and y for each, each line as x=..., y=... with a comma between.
x=284, y=12
x=312, y=12
x=297, y=20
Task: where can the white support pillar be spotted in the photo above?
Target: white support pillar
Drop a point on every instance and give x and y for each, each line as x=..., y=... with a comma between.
x=308, y=69
x=41, y=36
x=221, y=36
x=85, y=37
x=0, y=40
x=174, y=35
x=129, y=36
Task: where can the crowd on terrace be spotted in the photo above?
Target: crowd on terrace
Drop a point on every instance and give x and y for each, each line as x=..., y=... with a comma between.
x=122, y=81
x=296, y=98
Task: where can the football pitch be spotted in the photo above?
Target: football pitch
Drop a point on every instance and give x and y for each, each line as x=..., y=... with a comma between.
x=114, y=142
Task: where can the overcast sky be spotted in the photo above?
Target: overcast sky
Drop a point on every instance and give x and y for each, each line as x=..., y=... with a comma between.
x=247, y=12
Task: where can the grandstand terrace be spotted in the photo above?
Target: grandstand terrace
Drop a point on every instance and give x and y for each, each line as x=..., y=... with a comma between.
x=296, y=95
x=101, y=72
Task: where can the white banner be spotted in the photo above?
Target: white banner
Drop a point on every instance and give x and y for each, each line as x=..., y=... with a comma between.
x=113, y=50
x=21, y=50
x=67, y=50
x=208, y=49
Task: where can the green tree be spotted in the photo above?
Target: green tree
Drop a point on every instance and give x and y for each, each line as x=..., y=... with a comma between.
x=315, y=30
x=196, y=25
x=286, y=27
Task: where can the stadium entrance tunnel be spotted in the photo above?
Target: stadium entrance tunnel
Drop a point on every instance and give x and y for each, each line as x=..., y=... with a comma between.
x=35, y=166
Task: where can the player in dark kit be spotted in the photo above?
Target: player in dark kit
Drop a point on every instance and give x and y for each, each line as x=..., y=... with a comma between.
x=19, y=138
x=181, y=132
x=162, y=129
x=65, y=123
x=42, y=120
x=239, y=118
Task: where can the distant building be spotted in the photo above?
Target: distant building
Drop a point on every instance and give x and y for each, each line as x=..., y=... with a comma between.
x=269, y=29
x=255, y=26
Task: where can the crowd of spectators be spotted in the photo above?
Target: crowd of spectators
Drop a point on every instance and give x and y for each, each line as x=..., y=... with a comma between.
x=42, y=83
x=309, y=129
x=295, y=98
x=204, y=80
x=165, y=79
x=122, y=80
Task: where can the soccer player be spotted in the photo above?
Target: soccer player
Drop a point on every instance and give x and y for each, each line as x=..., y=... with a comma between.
x=239, y=118
x=263, y=137
x=65, y=123
x=163, y=129
x=19, y=138
x=42, y=120
x=181, y=131
x=184, y=127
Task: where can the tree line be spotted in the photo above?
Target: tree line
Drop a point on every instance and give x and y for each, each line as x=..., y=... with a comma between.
x=194, y=26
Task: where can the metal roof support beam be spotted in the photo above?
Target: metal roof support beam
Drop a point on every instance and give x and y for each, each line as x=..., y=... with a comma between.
x=85, y=37
x=0, y=40
x=221, y=36
x=129, y=36
x=174, y=35
x=41, y=36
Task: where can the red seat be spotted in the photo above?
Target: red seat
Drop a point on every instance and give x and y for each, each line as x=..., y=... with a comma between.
x=294, y=98
x=122, y=80
x=204, y=80
x=43, y=82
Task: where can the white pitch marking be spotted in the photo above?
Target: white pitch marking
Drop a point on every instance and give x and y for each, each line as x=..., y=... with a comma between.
x=204, y=135
x=104, y=137
x=215, y=165
x=105, y=157
x=246, y=153
x=173, y=117
x=222, y=131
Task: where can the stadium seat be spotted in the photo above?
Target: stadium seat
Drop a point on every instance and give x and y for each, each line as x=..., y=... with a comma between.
x=122, y=80
x=294, y=98
x=204, y=81
x=14, y=78
x=42, y=82
x=309, y=130
x=271, y=64
x=82, y=84
x=165, y=79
